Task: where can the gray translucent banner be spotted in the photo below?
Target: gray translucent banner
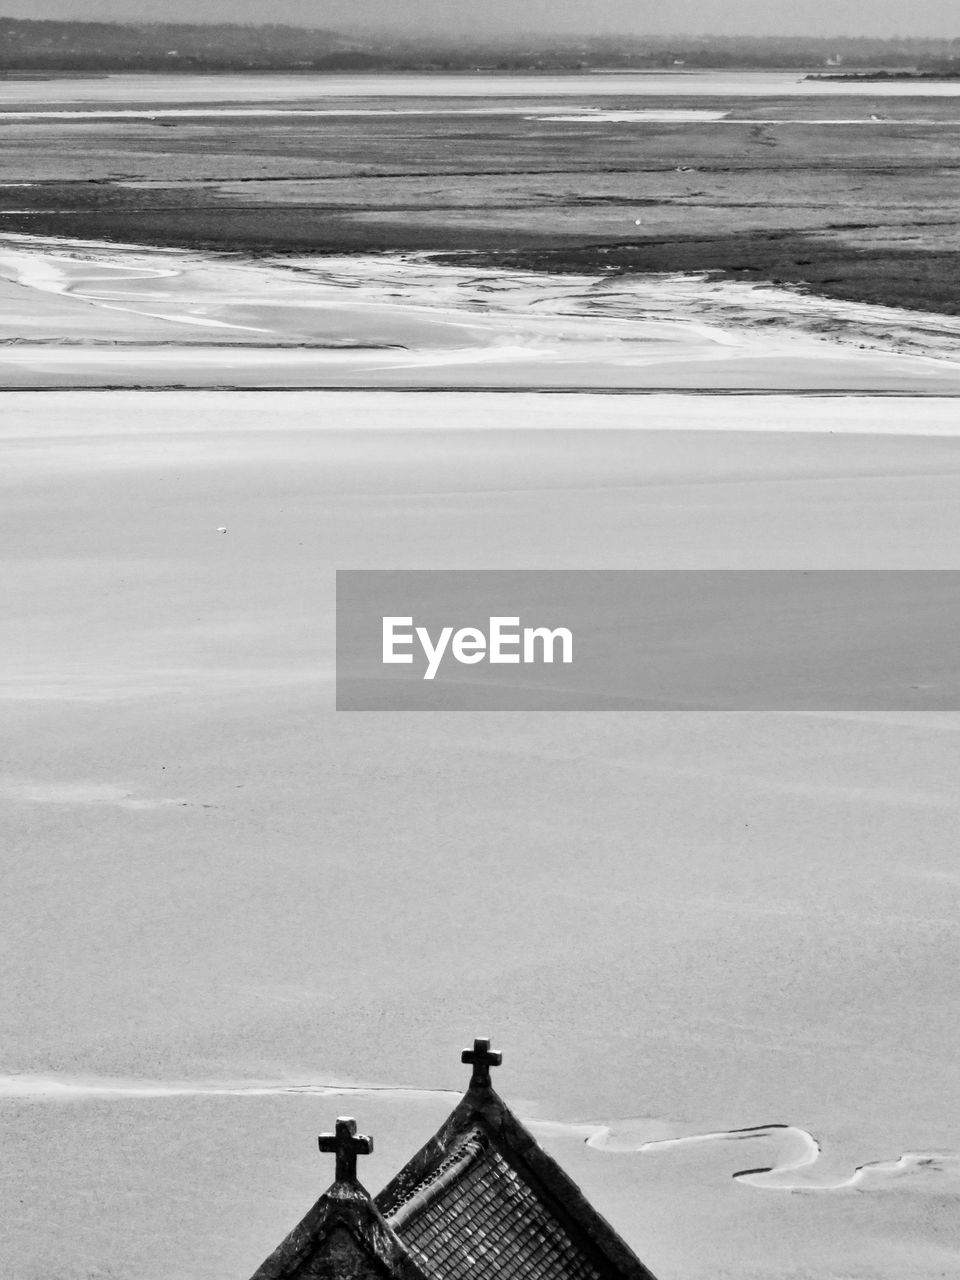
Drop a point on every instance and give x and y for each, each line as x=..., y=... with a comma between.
x=620, y=640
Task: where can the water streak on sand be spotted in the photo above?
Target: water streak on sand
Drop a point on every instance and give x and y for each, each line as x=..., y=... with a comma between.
x=795, y=1155
x=81, y=794
x=664, y=115
x=796, y=1159
x=56, y=273
x=592, y=115
x=76, y=1089
x=588, y=115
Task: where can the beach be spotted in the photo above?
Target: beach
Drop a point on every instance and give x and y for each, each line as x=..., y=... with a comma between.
x=713, y=947
x=178, y=793
x=101, y=315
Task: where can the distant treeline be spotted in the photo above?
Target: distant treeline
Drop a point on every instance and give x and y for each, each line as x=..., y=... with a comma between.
x=28, y=45
x=47, y=46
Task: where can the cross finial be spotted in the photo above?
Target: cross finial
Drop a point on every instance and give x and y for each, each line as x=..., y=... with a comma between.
x=481, y=1057
x=346, y=1146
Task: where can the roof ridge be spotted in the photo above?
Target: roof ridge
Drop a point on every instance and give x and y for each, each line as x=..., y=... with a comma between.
x=482, y=1106
x=344, y=1206
x=417, y=1198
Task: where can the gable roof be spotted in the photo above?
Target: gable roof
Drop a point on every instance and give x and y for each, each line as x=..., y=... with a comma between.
x=343, y=1237
x=482, y=1198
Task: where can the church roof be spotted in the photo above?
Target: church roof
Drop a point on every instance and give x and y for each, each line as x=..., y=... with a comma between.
x=344, y=1236
x=482, y=1198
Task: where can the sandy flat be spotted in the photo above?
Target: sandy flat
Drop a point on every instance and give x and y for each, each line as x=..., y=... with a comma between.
x=713, y=947
x=713, y=924
x=89, y=314
x=296, y=87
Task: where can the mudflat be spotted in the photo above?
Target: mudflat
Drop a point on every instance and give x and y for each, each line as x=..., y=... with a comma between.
x=850, y=189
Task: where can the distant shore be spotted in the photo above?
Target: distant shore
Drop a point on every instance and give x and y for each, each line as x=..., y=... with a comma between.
x=878, y=77
x=927, y=280
x=71, y=46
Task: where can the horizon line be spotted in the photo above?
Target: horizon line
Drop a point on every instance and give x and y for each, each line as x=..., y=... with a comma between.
x=613, y=33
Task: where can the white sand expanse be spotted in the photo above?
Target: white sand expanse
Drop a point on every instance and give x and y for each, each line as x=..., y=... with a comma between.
x=530, y=112
x=299, y=86
x=708, y=944
x=586, y=115
x=91, y=314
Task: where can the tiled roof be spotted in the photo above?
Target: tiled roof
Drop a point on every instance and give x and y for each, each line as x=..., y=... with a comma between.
x=487, y=1221
x=484, y=1199
x=481, y=1200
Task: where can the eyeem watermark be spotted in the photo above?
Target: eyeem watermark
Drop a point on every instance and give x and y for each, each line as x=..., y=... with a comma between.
x=650, y=640
x=503, y=642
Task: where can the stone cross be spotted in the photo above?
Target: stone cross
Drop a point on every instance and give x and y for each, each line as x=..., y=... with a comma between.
x=481, y=1057
x=346, y=1146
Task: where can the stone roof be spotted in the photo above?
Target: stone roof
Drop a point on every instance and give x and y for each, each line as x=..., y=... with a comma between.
x=487, y=1220
x=483, y=1198
x=344, y=1236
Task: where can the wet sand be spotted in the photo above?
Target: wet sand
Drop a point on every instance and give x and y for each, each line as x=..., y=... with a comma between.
x=88, y=315
x=848, y=189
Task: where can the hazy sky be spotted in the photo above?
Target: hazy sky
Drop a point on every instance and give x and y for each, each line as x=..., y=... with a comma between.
x=811, y=17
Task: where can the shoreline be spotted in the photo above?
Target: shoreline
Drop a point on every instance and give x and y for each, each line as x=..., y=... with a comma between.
x=924, y=279
x=913, y=280
x=90, y=314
